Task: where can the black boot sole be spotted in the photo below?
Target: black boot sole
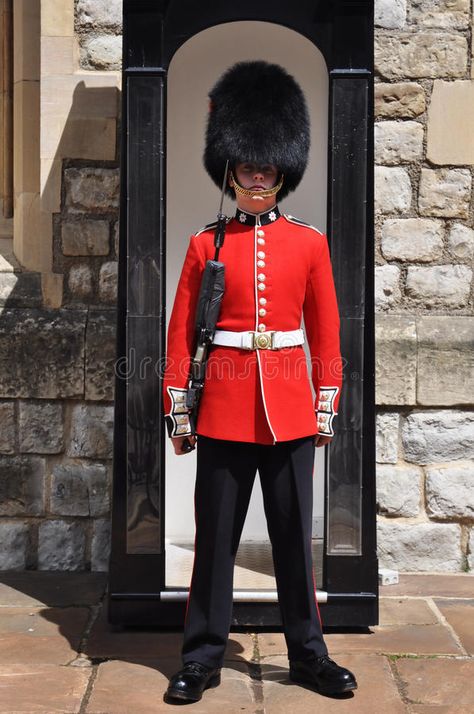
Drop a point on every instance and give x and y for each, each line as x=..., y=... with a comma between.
x=346, y=687
x=189, y=696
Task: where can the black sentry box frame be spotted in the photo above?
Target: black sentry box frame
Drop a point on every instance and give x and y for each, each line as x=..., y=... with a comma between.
x=152, y=32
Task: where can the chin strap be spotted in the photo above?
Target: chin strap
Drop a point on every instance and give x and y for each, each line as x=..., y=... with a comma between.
x=252, y=194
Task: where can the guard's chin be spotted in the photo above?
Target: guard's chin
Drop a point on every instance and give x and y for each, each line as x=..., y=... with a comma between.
x=256, y=197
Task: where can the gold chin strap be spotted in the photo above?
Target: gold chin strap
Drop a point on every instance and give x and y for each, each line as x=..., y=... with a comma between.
x=249, y=193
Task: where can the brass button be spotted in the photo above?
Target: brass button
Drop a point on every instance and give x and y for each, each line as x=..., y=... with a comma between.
x=261, y=276
x=260, y=233
x=262, y=312
x=262, y=301
x=261, y=263
x=263, y=341
x=260, y=254
x=261, y=286
x=262, y=327
x=260, y=241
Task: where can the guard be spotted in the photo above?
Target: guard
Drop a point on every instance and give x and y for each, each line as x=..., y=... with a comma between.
x=257, y=411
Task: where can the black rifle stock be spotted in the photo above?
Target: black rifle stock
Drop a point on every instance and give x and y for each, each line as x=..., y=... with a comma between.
x=208, y=308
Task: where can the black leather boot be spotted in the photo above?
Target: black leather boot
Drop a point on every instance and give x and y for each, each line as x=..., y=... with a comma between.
x=190, y=682
x=323, y=674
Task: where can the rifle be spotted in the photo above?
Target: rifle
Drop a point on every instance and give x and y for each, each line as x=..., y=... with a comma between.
x=208, y=308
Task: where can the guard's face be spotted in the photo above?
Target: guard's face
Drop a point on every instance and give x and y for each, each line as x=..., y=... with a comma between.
x=256, y=177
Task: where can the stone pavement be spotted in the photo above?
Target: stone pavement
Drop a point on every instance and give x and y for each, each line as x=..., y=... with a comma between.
x=58, y=654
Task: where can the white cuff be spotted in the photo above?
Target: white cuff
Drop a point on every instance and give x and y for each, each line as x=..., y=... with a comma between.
x=325, y=412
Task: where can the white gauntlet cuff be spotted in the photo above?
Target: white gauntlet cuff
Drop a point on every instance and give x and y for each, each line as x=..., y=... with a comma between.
x=177, y=421
x=325, y=412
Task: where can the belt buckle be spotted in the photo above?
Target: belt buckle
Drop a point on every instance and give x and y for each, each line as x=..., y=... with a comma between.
x=263, y=340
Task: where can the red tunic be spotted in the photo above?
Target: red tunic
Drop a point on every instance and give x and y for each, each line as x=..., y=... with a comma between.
x=277, y=270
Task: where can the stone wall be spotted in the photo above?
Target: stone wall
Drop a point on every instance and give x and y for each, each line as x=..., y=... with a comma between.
x=98, y=27
x=424, y=151
x=57, y=389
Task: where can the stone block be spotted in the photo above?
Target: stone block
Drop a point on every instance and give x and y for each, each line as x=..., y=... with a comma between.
x=61, y=545
x=392, y=190
x=83, y=137
x=26, y=104
x=82, y=95
x=448, y=14
x=26, y=29
x=419, y=546
x=21, y=485
x=432, y=436
x=91, y=431
x=407, y=239
x=390, y=14
x=398, y=142
x=445, y=360
x=52, y=285
x=80, y=489
x=100, y=549
x=387, y=286
x=439, y=285
x=15, y=539
x=20, y=289
x=80, y=281
x=470, y=549
x=461, y=242
x=58, y=52
x=398, y=489
x=100, y=355
x=108, y=282
x=450, y=139
x=450, y=490
x=438, y=685
x=51, y=345
x=99, y=14
x=445, y=192
x=7, y=427
x=91, y=189
x=57, y=18
x=386, y=439
x=404, y=100
x=395, y=359
x=85, y=237
x=103, y=52
x=420, y=54
x=40, y=427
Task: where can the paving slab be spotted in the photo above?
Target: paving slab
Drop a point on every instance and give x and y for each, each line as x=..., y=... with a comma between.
x=32, y=588
x=452, y=709
x=128, y=687
x=460, y=615
x=403, y=639
x=405, y=611
x=42, y=688
x=428, y=584
x=439, y=682
x=41, y=635
x=105, y=641
x=377, y=690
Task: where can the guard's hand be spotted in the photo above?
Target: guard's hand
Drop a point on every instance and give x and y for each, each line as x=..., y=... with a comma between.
x=321, y=440
x=178, y=442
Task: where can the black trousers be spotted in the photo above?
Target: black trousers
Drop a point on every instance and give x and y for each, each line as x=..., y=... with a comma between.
x=225, y=475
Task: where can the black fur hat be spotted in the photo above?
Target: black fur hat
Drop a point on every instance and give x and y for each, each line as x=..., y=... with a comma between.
x=257, y=113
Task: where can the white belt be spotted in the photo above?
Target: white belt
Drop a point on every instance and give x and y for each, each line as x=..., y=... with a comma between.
x=270, y=340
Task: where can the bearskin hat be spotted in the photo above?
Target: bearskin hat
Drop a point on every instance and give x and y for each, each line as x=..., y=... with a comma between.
x=257, y=113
